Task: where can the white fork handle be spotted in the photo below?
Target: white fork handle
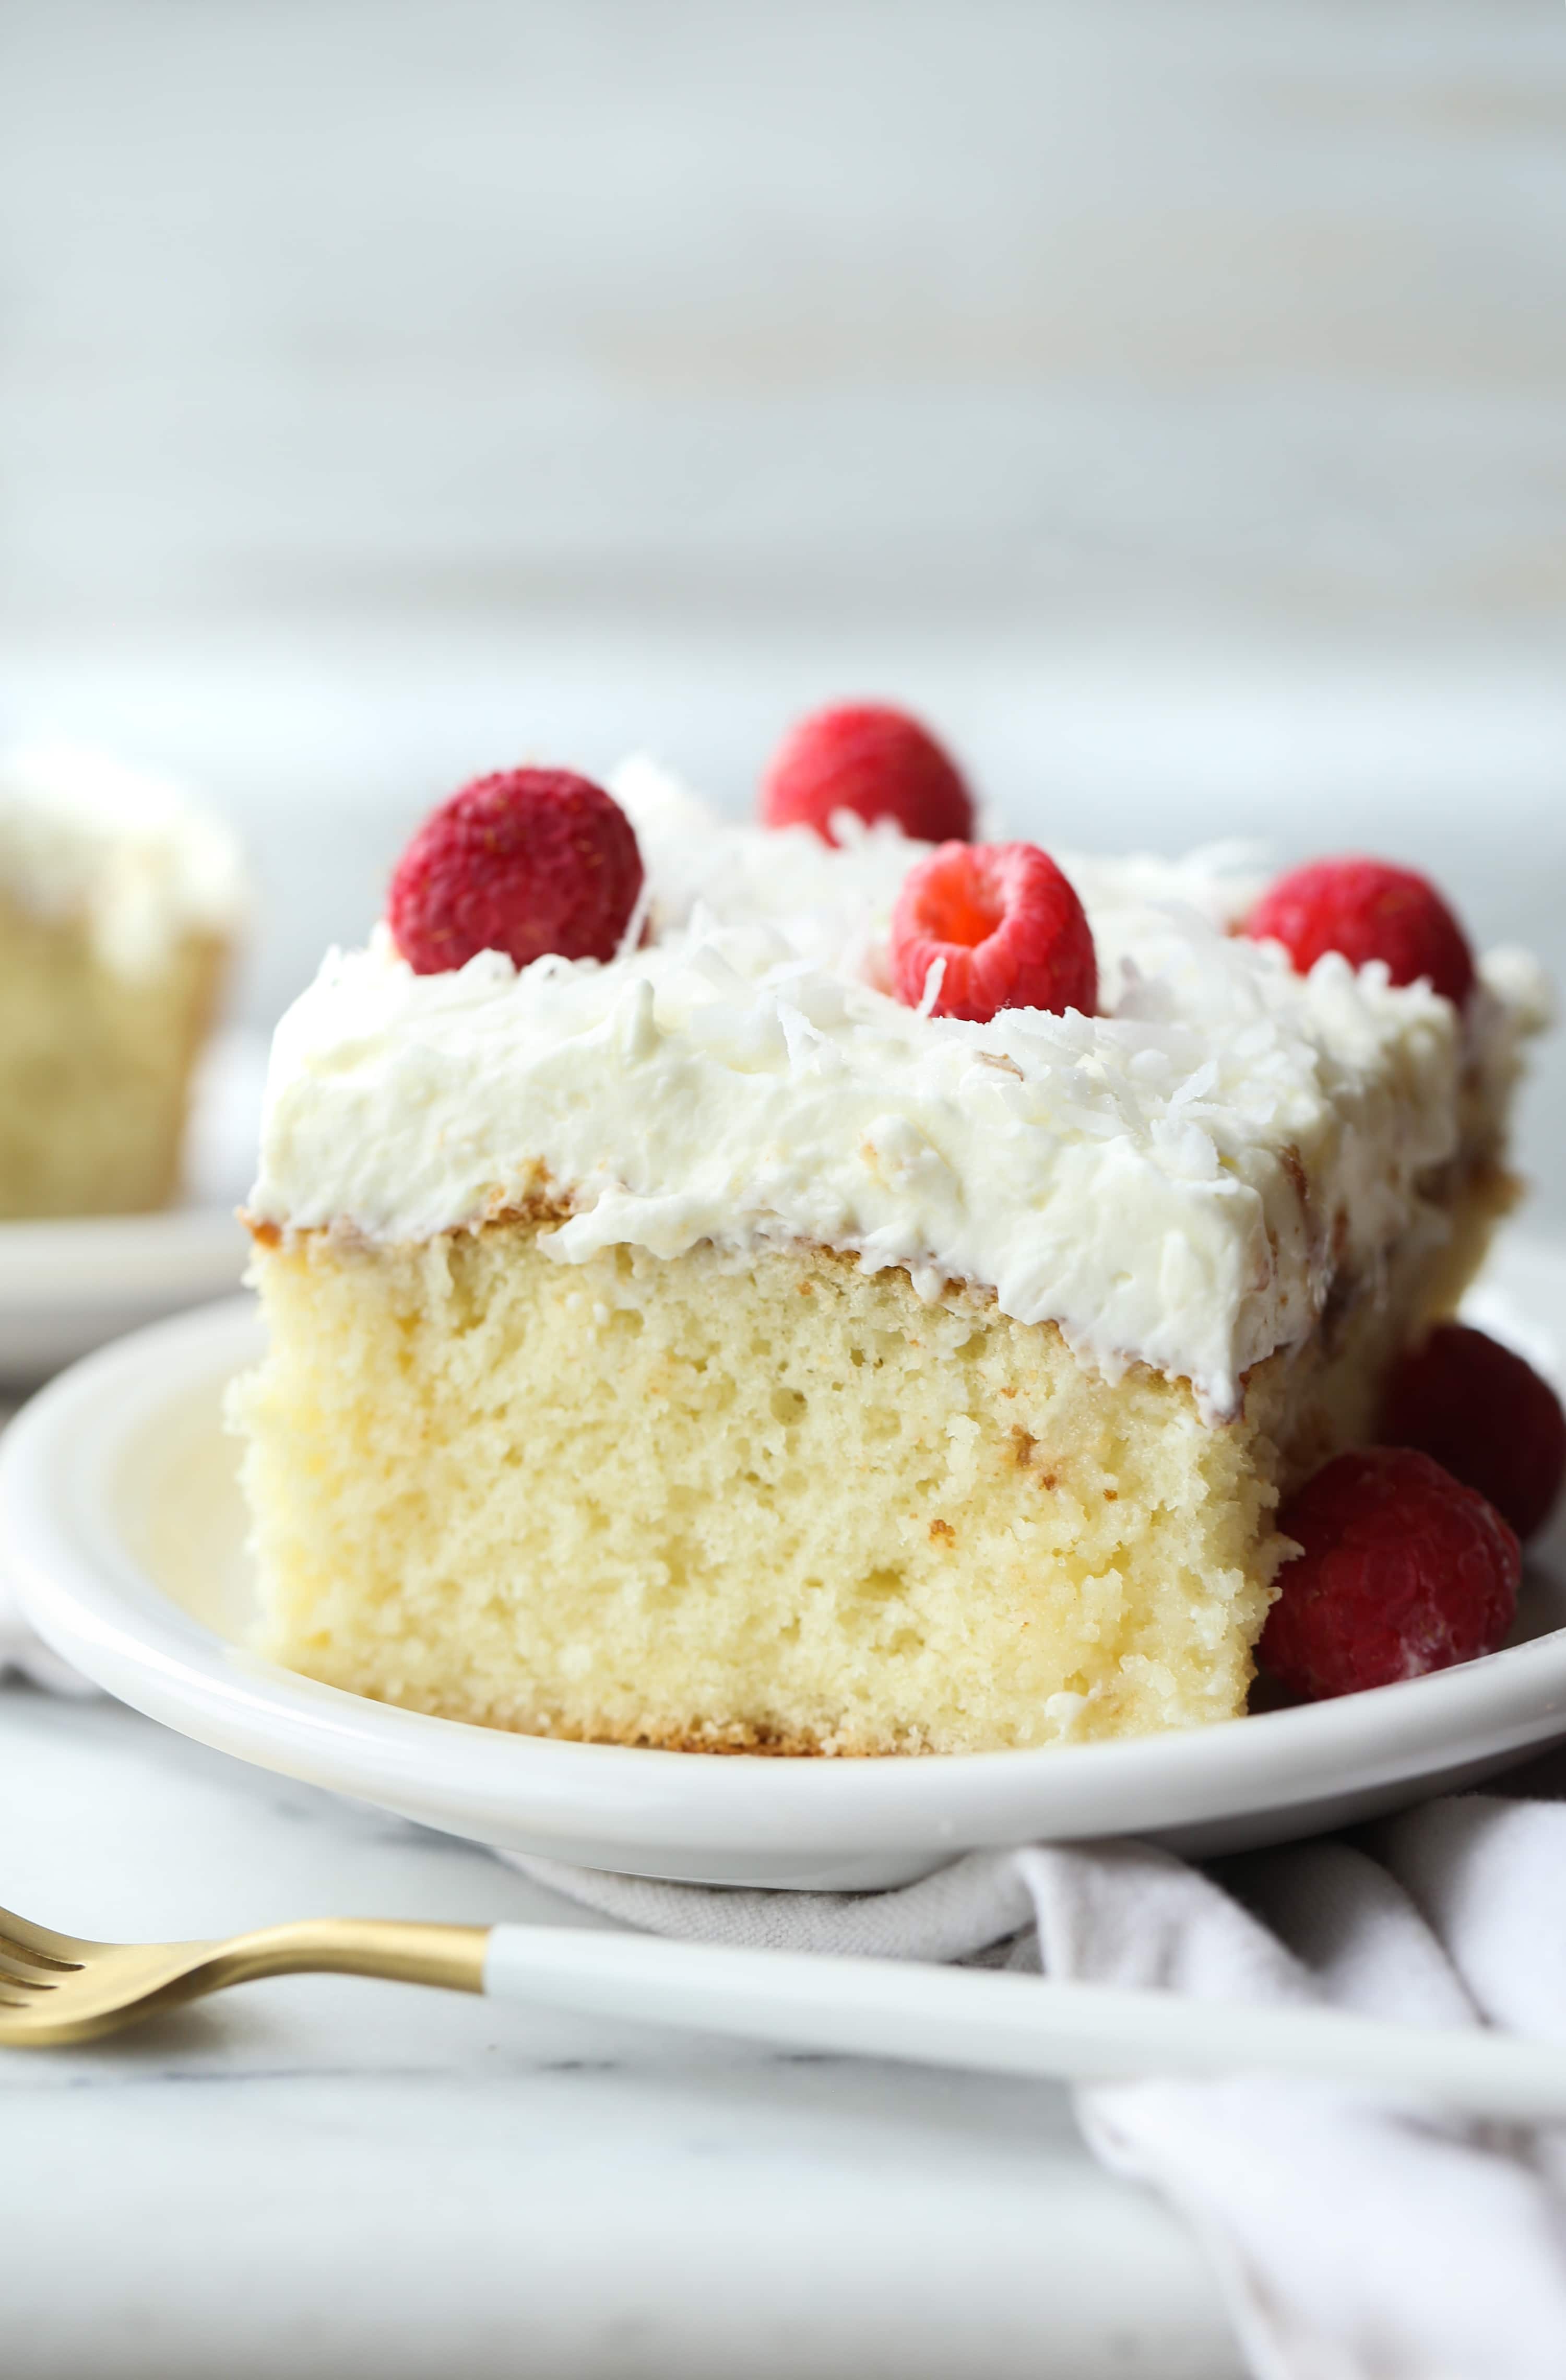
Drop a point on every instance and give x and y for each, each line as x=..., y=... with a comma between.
x=1005, y=2023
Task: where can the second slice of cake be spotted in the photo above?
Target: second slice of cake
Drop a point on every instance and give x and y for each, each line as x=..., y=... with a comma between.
x=119, y=901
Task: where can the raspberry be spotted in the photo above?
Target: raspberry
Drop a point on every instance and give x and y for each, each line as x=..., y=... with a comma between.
x=1010, y=928
x=1368, y=910
x=868, y=757
x=1485, y=1415
x=1404, y=1571
x=529, y=861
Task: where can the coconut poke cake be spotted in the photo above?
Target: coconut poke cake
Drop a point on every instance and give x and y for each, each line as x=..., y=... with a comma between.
x=830, y=1285
x=118, y=901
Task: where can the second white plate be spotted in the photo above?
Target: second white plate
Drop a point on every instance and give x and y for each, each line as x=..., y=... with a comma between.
x=124, y=1537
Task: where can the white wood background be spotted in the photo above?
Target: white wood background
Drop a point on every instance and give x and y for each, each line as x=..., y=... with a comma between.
x=1169, y=396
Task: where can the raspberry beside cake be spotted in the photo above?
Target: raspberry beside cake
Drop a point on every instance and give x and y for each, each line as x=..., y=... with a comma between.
x=696, y=1343
x=118, y=902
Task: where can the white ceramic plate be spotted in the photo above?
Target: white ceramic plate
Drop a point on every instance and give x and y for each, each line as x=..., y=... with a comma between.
x=69, y=1285
x=122, y=1531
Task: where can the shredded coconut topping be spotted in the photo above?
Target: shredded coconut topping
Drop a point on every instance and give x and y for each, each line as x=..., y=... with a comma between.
x=1174, y=1181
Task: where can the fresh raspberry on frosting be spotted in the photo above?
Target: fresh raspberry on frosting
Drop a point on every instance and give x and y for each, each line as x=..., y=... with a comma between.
x=1404, y=1571
x=1003, y=926
x=1486, y=1417
x=525, y=862
x=1367, y=909
x=866, y=758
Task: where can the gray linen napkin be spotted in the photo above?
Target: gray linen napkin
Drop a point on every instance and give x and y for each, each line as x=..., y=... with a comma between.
x=1353, y=2240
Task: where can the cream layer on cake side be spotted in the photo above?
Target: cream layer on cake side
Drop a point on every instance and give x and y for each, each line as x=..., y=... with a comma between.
x=705, y=1348
x=119, y=899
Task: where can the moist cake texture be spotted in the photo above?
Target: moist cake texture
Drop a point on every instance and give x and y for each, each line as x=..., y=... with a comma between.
x=118, y=902
x=706, y=1349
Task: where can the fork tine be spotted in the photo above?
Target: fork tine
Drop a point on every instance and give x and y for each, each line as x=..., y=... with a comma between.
x=24, y=1939
x=14, y=1978
x=24, y=1967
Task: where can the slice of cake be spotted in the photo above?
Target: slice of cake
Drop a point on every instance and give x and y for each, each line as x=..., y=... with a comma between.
x=798, y=1290
x=119, y=900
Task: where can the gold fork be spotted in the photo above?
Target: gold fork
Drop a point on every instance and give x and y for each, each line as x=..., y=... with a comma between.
x=56, y=1988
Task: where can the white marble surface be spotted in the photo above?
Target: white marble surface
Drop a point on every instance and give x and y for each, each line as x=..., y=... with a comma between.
x=331, y=2179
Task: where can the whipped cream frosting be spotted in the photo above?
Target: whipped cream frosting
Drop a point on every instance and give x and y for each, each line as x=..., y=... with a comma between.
x=1174, y=1181
x=83, y=835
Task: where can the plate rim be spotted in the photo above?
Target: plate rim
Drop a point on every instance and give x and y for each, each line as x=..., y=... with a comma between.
x=84, y=1591
x=79, y=1261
